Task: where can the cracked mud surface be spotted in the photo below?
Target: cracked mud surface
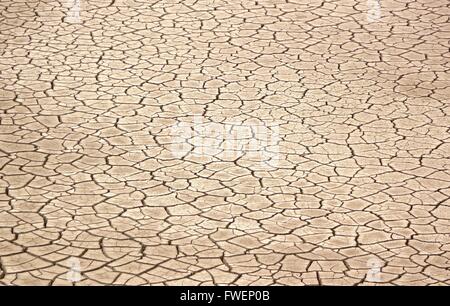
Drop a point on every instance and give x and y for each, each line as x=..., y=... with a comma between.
x=359, y=193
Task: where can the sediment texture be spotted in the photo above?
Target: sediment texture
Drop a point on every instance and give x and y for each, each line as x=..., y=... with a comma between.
x=355, y=189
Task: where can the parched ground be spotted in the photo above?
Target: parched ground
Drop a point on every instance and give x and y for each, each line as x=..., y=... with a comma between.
x=316, y=142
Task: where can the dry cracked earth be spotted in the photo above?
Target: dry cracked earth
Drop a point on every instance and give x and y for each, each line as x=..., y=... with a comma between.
x=203, y=142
